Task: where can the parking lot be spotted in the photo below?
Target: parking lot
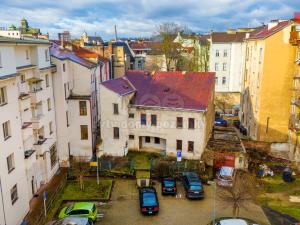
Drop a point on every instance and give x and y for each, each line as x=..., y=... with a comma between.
x=124, y=208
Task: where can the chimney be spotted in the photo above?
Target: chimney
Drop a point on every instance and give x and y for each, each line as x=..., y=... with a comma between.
x=247, y=35
x=272, y=23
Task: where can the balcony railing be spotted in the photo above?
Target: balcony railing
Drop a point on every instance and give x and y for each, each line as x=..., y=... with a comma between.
x=294, y=37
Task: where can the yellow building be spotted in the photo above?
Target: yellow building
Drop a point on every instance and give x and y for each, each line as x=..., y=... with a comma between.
x=268, y=83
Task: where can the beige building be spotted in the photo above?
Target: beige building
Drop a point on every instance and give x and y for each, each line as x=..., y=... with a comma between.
x=163, y=112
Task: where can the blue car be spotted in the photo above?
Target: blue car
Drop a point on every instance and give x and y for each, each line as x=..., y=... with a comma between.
x=192, y=185
x=148, y=201
x=221, y=122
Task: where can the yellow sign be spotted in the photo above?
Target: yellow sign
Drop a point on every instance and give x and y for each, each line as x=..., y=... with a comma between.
x=93, y=164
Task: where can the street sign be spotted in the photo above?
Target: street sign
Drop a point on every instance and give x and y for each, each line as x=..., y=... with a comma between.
x=94, y=164
x=44, y=196
x=179, y=156
x=45, y=208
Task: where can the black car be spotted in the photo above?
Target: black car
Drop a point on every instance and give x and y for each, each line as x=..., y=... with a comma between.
x=192, y=185
x=168, y=186
x=148, y=201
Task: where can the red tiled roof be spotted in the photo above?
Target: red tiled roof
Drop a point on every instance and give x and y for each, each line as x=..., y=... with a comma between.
x=190, y=90
x=263, y=31
x=63, y=53
x=136, y=45
x=228, y=37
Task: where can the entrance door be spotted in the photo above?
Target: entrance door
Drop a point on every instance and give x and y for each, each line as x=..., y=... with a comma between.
x=140, y=142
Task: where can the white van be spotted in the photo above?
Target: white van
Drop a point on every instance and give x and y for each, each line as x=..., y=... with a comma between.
x=226, y=176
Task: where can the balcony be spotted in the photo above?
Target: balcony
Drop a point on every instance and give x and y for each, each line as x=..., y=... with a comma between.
x=38, y=121
x=295, y=35
x=30, y=158
x=43, y=145
x=294, y=123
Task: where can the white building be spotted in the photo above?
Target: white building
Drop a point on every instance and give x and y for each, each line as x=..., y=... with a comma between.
x=76, y=83
x=27, y=117
x=12, y=32
x=164, y=112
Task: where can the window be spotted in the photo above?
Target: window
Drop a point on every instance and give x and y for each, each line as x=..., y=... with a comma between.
x=143, y=119
x=178, y=144
x=157, y=140
x=179, y=122
x=67, y=118
x=49, y=104
x=224, y=66
x=217, y=53
x=116, y=108
x=10, y=162
x=46, y=54
x=64, y=67
x=131, y=137
x=216, y=80
x=47, y=80
x=6, y=130
x=153, y=120
x=14, y=194
x=190, y=146
x=131, y=115
x=116, y=133
x=216, y=66
x=191, y=123
x=27, y=54
x=82, y=108
x=0, y=61
x=225, y=53
x=223, y=80
x=84, y=132
x=53, y=156
x=22, y=78
x=147, y=139
x=3, y=96
x=50, y=128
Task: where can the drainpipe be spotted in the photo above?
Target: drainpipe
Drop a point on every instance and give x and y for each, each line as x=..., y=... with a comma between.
x=3, y=208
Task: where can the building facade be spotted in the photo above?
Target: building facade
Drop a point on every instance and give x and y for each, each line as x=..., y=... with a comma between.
x=268, y=82
x=156, y=112
x=29, y=159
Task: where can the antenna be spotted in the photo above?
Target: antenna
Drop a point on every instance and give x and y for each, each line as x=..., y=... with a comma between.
x=116, y=33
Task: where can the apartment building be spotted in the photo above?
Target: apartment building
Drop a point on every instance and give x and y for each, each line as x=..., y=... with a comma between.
x=160, y=111
x=28, y=136
x=227, y=59
x=268, y=81
x=76, y=85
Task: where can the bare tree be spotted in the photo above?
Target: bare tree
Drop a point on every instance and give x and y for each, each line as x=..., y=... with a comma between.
x=245, y=189
x=223, y=102
x=170, y=49
x=80, y=167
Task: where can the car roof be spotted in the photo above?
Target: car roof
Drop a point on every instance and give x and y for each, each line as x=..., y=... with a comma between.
x=83, y=205
x=192, y=177
x=147, y=189
x=233, y=222
x=72, y=219
x=226, y=171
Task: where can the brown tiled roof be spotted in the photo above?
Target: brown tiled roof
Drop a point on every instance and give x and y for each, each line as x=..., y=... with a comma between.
x=263, y=31
x=228, y=37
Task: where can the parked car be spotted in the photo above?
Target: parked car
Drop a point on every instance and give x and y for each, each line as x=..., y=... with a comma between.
x=192, y=185
x=168, y=186
x=226, y=176
x=221, y=122
x=233, y=221
x=148, y=201
x=72, y=220
x=82, y=209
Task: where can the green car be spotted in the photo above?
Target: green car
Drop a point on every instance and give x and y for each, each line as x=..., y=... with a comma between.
x=83, y=209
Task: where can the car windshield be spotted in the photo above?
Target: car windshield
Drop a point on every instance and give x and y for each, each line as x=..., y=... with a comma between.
x=196, y=188
x=149, y=199
x=169, y=183
x=69, y=209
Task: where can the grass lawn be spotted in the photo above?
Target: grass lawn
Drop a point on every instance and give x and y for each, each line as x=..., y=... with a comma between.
x=142, y=159
x=285, y=207
x=91, y=192
x=276, y=184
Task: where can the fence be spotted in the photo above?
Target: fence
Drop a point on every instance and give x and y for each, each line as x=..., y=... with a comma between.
x=38, y=216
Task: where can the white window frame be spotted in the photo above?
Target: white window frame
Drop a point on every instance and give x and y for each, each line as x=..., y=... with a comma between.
x=224, y=66
x=6, y=130
x=14, y=191
x=47, y=55
x=3, y=96
x=216, y=66
x=10, y=162
x=223, y=80
x=217, y=53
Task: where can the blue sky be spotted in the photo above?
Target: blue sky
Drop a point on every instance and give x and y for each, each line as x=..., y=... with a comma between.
x=138, y=18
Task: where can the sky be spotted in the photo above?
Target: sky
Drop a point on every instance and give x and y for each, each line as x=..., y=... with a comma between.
x=139, y=18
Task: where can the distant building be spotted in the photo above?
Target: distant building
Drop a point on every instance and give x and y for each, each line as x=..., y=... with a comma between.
x=64, y=36
x=141, y=49
x=161, y=112
x=90, y=40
